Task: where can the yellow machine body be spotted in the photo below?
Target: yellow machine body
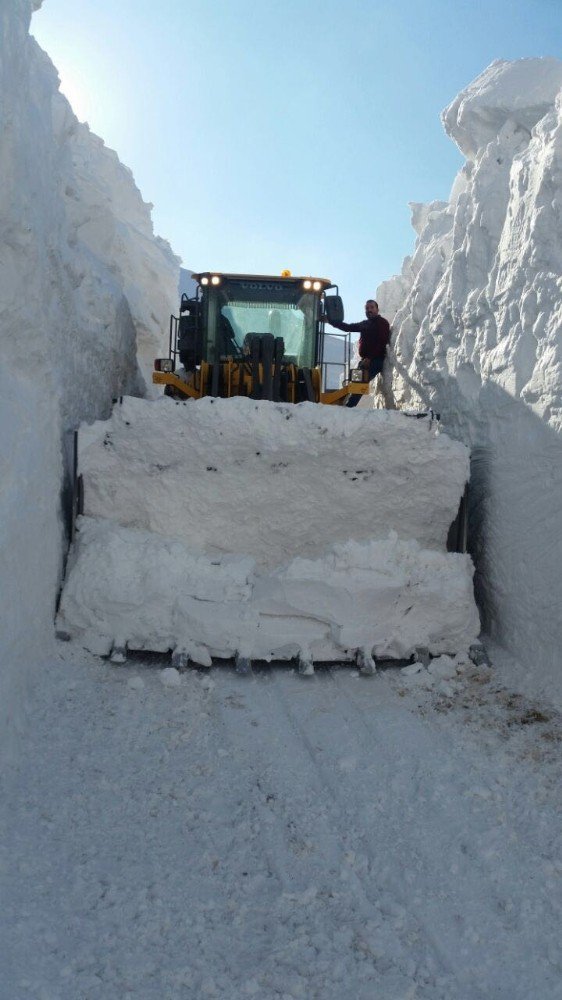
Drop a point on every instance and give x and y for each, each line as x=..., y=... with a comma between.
x=259, y=336
x=239, y=382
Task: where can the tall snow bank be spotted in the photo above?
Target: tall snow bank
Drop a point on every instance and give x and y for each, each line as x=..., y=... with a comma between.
x=477, y=318
x=83, y=282
x=521, y=93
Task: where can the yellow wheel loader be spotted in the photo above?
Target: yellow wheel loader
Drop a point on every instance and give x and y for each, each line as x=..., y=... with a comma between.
x=220, y=521
x=260, y=336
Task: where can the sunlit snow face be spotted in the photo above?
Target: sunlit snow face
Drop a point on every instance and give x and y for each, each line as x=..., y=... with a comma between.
x=75, y=90
x=371, y=309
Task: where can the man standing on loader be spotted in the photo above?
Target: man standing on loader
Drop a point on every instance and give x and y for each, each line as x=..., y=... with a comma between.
x=373, y=341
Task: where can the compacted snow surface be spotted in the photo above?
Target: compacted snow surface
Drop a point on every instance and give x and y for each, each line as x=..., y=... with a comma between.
x=184, y=836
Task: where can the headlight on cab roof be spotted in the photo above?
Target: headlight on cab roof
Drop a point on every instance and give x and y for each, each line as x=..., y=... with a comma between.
x=312, y=285
x=163, y=365
x=215, y=280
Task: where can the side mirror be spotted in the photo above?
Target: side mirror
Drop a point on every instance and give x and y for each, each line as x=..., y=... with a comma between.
x=333, y=309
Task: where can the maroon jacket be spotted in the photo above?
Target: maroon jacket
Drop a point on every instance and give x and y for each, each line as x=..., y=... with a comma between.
x=375, y=335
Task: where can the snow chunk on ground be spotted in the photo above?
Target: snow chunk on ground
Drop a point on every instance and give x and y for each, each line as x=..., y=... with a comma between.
x=170, y=677
x=443, y=667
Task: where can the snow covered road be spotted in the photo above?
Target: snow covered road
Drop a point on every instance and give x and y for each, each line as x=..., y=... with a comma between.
x=279, y=837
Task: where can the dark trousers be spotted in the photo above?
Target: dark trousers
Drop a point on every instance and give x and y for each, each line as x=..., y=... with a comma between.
x=375, y=366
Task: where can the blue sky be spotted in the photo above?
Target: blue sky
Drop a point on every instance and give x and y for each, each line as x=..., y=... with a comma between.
x=286, y=134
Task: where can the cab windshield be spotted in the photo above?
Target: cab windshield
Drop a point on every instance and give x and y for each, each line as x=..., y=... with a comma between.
x=239, y=307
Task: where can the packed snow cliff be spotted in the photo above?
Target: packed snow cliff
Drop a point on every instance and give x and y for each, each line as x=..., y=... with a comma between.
x=84, y=285
x=477, y=320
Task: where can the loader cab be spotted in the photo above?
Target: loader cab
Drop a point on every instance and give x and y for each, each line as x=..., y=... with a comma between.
x=234, y=308
x=260, y=336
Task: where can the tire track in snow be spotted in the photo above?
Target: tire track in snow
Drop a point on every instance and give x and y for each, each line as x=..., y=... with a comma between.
x=256, y=837
x=339, y=816
x=324, y=827
x=298, y=862
x=342, y=814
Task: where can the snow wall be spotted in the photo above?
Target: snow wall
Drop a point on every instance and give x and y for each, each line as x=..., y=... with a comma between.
x=83, y=284
x=477, y=320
